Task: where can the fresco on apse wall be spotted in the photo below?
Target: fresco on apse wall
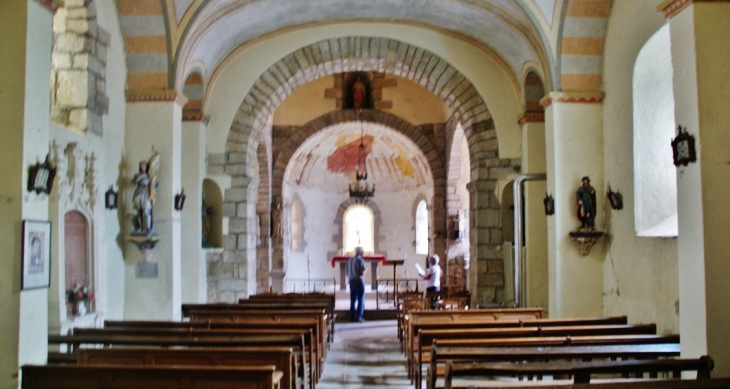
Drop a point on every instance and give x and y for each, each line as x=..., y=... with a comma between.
x=329, y=159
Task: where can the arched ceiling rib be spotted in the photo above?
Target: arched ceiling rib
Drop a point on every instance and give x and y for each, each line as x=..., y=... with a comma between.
x=221, y=26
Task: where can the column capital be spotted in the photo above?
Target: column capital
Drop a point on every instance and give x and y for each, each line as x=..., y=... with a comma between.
x=669, y=8
x=197, y=116
x=572, y=97
x=156, y=96
x=531, y=117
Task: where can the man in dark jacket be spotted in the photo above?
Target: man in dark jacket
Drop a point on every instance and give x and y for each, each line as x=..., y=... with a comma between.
x=355, y=270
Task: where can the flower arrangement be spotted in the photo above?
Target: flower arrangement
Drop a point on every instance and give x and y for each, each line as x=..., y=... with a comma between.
x=80, y=293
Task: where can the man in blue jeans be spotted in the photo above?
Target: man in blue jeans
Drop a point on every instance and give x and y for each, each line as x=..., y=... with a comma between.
x=355, y=270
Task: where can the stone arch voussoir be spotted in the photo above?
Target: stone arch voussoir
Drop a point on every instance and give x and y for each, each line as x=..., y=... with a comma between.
x=281, y=160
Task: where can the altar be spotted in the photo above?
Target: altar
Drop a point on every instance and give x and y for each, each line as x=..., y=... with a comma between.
x=372, y=262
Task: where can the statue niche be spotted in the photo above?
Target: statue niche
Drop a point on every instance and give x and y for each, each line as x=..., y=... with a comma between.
x=357, y=90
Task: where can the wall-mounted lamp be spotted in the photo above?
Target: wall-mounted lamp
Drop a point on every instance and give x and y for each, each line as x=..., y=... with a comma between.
x=549, y=204
x=616, y=199
x=41, y=176
x=180, y=200
x=683, y=147
x=110, y=198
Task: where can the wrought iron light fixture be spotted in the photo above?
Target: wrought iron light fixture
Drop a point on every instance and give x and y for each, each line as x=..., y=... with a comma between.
x=361, y=189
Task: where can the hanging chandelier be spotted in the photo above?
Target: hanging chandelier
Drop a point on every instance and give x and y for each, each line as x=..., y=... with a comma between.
x=360, y=188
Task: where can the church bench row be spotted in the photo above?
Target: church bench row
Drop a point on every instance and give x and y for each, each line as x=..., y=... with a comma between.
x=137, y=377
x=712, y=383
x=260, y=319
x=463, y=316
x=417, y=325
x=548, y=353
x=197, y=333
x=280, y=357
x=436, y=361
x=293, y=341
x=260, y=313
x=320, y=297
x=580, y=371
x=417, y=348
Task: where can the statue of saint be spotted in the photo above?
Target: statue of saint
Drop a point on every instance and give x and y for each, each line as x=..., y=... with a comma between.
x=586, y=203
x=144, y=195
x=277, y=228
x=358, y=94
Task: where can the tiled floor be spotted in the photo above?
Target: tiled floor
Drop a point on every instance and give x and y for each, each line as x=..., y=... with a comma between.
x=365, y=355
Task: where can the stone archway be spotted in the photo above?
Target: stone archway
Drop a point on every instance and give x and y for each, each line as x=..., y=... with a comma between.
x=581, y=56
x=366, y=54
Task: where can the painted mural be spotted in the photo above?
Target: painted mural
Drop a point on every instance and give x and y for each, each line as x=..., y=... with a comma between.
x=330, y=159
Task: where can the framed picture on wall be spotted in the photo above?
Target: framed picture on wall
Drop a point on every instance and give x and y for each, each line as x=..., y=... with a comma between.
x=36, y=266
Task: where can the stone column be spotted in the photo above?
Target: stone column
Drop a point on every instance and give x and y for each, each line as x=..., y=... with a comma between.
x=240, y=243
x=193, y=261
x=486, y=276
x=25, y=44
x=154, y=120
x=533, y=162
x=699, y=35
x=574, y=148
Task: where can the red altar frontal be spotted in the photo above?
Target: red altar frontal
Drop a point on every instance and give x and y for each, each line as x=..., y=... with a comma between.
x=371, y=260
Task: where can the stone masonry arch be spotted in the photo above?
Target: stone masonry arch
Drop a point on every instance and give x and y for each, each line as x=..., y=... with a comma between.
x=414, y=133
x=364, y=54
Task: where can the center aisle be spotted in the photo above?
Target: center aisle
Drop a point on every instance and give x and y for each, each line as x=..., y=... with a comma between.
x=365, y=355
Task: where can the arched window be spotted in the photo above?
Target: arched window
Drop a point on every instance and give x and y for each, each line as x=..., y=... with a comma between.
x=297, y=227
x=358, y=229
x=655, y=182
x=421, y=228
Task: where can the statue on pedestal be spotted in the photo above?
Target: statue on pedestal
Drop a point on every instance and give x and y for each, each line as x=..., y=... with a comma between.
x=586, y=203
x=144, y=195
x=143, y=201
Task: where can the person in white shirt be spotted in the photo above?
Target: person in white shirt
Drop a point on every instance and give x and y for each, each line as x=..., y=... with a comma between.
x=433, y=275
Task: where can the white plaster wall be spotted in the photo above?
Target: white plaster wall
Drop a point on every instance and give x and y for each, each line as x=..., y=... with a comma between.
x=154, y=298
x=32, y=344
x=639, y=274
x=396, y=237
x=105, y=225
x=414, y=103
x=194, y=285
x=306, y=103
x=701, y=95
x=110, y=248
x=573, y=133
x=533, y=161
x=232, y=81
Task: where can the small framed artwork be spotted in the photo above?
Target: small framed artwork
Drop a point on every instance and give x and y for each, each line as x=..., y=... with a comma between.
x=36, y=267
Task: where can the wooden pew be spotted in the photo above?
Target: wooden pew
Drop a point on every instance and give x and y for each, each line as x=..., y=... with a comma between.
x=281, y=357
x=328, y=298
x=211, y=312
x=712, y=383
x=471, y=315
x=416, y=350
x=263, y=318
x=436, y=362
x=74, y=342
x=580, y=371
x=198, y=333
x=431, y=329
x=549, y=353
x=476, y=315
x=137, y=377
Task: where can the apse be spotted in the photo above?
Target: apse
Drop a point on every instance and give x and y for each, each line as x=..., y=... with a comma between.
x=317, y=179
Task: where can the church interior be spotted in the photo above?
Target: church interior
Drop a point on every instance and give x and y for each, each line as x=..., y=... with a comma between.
x=157, y=153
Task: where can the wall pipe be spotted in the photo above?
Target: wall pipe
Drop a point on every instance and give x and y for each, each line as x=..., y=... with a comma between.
x=517, y=189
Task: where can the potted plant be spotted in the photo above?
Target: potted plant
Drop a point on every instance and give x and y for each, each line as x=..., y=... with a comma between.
x=79, y=296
